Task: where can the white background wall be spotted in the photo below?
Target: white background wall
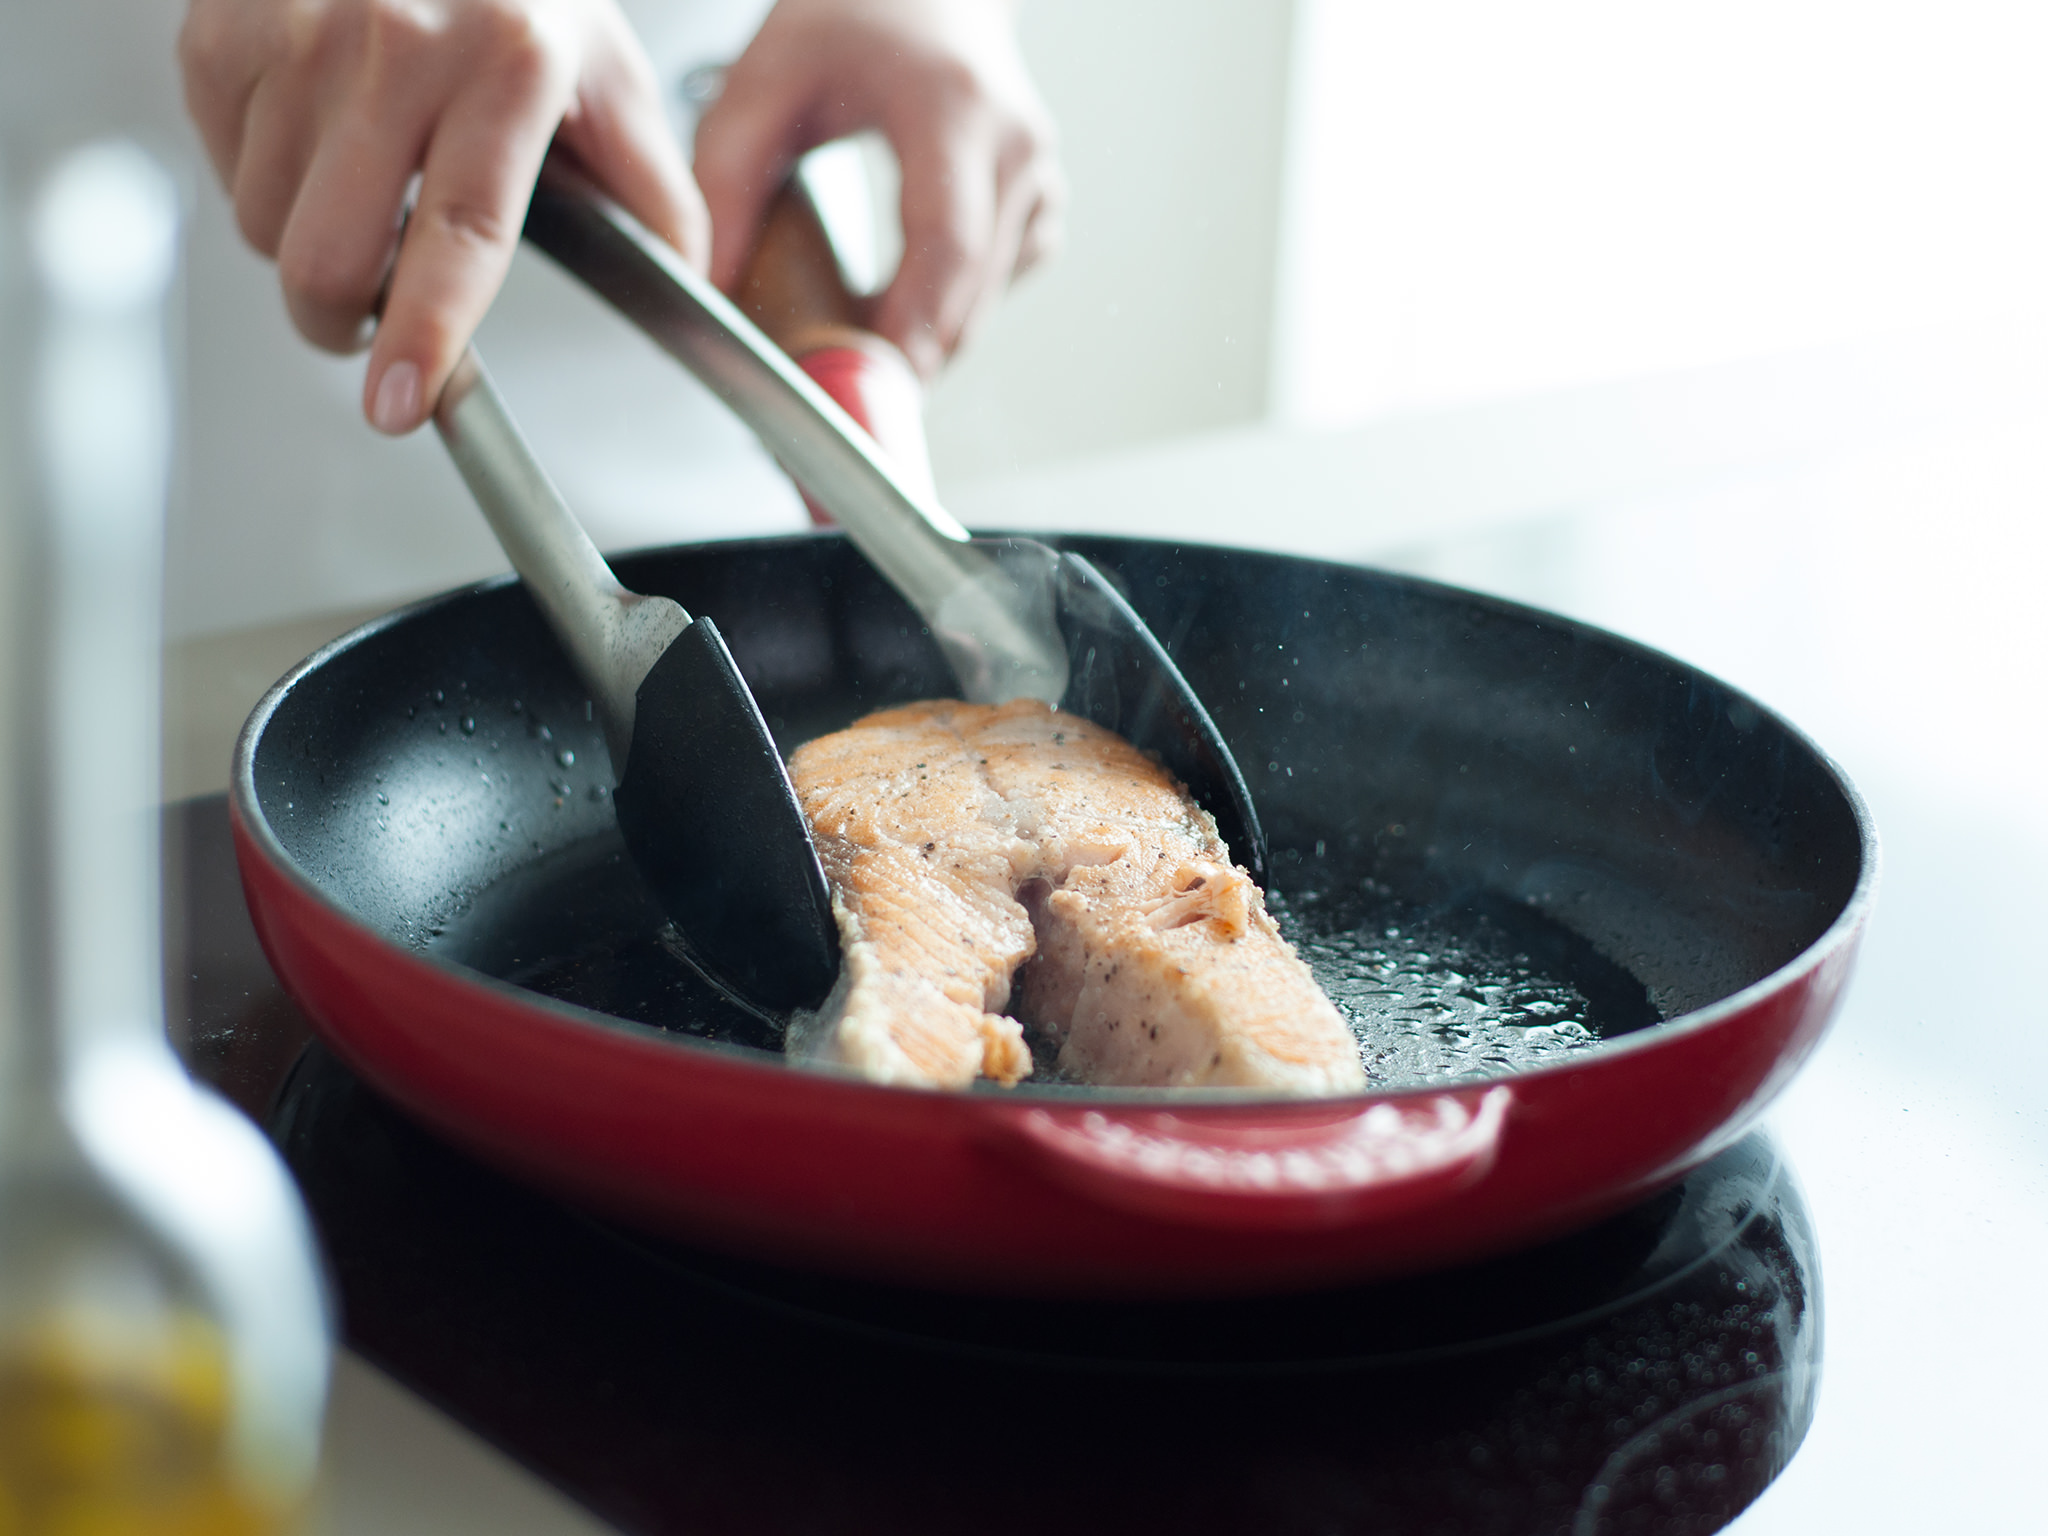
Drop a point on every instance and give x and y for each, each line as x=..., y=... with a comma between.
x=1338, y=272
x=1534, y=257
x=1491, y=198
x=1157, y=319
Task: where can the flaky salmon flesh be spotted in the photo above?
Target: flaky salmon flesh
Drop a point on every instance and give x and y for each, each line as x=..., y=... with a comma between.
x=1001, y=866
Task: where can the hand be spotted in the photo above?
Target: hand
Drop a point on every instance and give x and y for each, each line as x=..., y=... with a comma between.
x=318, y=113
x=944, y=83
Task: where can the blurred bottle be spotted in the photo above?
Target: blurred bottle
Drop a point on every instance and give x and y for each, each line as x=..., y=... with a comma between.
x=163, y=1342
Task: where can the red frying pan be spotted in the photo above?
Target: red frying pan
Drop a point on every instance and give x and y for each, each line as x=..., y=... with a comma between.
x=422, y=822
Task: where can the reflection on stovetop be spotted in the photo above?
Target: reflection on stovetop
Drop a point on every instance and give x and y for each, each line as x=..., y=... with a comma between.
x=1649, y=1375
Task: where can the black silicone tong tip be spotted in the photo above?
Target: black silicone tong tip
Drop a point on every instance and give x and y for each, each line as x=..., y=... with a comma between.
x=704, y=802
x=1117, y=674
x=1122, y=678
x=742, y=883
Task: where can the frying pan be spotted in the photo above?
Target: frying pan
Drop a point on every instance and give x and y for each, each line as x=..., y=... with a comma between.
x=420, y=813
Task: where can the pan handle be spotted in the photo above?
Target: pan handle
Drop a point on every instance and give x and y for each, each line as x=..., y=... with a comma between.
x=1291, y=1169
x=795, y=292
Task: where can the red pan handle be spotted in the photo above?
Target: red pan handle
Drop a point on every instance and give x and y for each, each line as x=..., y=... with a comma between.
x=794, y=291
x=1286, y=1169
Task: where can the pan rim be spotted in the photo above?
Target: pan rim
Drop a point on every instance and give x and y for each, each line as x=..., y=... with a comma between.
x=1840, y=936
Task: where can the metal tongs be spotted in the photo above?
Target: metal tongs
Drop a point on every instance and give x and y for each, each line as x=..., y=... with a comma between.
x=1014, y=618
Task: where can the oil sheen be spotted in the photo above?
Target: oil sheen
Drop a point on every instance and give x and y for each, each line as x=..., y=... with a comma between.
x=1476, y=986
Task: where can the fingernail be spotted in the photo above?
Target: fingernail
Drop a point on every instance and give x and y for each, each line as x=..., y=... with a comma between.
x=396, y=408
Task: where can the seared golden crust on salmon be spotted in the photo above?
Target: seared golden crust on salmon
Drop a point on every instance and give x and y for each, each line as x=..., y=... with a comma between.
x=971, y=847
x=924, y=862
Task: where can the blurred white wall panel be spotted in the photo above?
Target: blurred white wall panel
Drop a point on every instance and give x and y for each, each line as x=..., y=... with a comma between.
x=1488, y=199
x=1156, y=321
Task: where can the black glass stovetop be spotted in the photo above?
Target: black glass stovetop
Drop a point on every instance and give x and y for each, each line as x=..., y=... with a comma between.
x=1649, y=1375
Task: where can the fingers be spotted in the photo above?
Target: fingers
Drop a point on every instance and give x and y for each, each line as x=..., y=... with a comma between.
x=981, y=205
x=318, y=114
x=479, y=169
x=1045, y=224
x=1027, y=220
x=337, y=246
x=219, y=64
x=949, y=236
x=745, y=147
x=620, y=134
x=947, y=86
x=278, y=142
x=478, y=177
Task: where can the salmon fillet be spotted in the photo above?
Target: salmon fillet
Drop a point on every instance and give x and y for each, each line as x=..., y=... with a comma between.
x=1000, y=865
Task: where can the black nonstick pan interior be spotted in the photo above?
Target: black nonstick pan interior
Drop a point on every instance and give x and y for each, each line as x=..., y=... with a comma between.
x=1538, y=791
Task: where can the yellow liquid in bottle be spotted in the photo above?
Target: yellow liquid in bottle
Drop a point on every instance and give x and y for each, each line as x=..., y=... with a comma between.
x=112, y=1429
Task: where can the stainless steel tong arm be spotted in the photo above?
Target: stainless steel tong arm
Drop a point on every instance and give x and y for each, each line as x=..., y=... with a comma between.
x=998, y=634
x=613, y=636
